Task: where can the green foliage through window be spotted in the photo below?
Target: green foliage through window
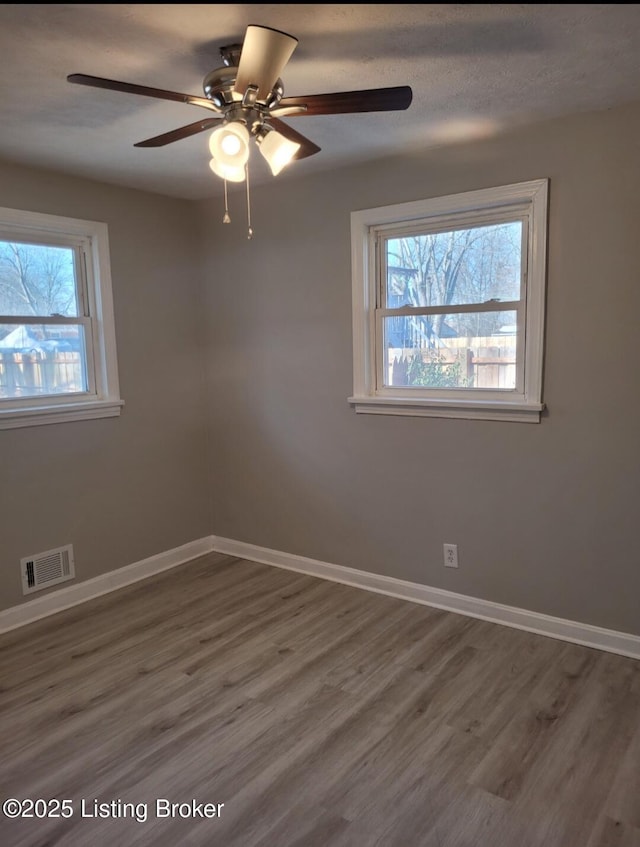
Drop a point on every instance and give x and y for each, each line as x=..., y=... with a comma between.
x=436, y=372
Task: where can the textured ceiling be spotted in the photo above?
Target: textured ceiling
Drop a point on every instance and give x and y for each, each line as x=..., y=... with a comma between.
x=474, y=70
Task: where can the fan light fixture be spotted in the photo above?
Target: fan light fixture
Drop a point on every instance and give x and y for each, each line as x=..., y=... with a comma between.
x=276, y=149
x=229, y=145
x=245, y=99
x=229, y=148
x=228, y=172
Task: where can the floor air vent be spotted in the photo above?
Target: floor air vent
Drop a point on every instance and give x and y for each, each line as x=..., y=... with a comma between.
x=47, y=569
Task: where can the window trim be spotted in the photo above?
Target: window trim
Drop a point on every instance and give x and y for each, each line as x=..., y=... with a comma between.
x=103, y=398
x=527, y=198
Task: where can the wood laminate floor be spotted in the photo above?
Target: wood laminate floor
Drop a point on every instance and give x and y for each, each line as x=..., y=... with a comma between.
x=320, y=716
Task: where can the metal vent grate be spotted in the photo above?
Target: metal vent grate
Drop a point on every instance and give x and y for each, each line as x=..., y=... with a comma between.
x=46, y=569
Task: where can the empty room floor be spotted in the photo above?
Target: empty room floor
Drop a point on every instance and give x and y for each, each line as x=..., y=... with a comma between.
x=230, y=703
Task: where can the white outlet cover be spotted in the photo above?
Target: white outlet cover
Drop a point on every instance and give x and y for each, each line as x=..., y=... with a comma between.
x=450, y=555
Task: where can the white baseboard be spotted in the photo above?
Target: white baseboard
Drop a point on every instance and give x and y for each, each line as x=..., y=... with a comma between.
x=587, y=635
x=71, y=595
x=625, y=644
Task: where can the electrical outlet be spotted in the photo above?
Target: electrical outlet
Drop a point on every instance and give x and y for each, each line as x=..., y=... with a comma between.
x=451, y=555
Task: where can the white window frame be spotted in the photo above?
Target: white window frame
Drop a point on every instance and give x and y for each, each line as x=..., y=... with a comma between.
x=526, y=201
x=90, y=241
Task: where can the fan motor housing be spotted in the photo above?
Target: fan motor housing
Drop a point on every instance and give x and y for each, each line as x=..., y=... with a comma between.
x=219, y=84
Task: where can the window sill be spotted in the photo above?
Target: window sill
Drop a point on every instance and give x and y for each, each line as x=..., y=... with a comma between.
x=62, y=413
x=467, y=409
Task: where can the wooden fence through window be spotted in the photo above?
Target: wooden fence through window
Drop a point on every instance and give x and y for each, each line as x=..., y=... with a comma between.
x=40, y=373
x=486, y=363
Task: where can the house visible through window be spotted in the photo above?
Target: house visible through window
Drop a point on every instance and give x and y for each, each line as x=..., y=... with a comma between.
x=57, y=345
x=448, y=305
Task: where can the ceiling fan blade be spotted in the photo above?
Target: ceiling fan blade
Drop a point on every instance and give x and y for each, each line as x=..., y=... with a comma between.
x=307, y=147
x=178, y=134
x=265, y=52
x=348, y=102
x=130, y=88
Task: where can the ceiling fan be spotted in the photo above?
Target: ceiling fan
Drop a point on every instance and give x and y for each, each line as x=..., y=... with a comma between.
x=247, y=98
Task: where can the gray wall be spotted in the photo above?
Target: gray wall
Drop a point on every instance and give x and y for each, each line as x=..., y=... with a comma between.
x=118, y=489
x=544, y=515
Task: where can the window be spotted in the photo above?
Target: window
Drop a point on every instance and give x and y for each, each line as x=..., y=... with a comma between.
x=448, y=305
x=57, y=340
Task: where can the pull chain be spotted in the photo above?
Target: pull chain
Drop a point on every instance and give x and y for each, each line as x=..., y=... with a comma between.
x=249, y=230
x=226, y=219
